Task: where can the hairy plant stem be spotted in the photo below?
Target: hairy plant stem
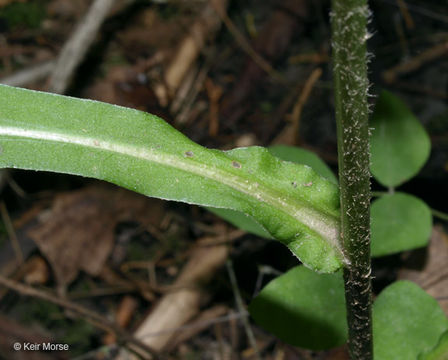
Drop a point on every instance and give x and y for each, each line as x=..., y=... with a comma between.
x=349, y=32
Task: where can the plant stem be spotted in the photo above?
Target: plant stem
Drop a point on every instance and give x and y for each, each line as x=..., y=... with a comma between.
x=349, y=32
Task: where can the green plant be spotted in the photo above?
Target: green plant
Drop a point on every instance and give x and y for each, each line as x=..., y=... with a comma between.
x=399, y=222
x=33, y=137
x=284, y=200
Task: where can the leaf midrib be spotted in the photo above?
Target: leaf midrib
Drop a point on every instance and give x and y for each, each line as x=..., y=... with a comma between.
x=324, y=225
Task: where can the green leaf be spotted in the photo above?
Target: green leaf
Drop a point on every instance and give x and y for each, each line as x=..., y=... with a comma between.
x=241, y=221
x=399, y=144
x=143, y=153
x=399, y=222
x=283, y=152
x=303, y=308
x=406, y=322
x=439, y=352
x=305, y=157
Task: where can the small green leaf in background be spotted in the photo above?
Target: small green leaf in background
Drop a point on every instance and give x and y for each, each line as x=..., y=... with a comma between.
x=241, y=221
x=399, y=222
x=283, y=152
x=439, y=352
x=303, y=308
x=406, y=322
x=399, y=144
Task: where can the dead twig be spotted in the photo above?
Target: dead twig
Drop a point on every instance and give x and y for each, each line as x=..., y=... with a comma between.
x=202, y=322
x=241, y=309
x=99, y=292
x=30, y=75
x=72, y=53
x=290, y=134
x=416, y=62
x=408, y=20
x=421, y=10
x=245, y=45
x=182, y=304
x=94, y=318
x=313, y=58
x=188, y=52
x=182, y=105
x=76, y=47
x=12, y=233
x=199, y=323
x=301, y=101
x=421, y=90
x=214, y=93
x=123, y=316
x=401, y=34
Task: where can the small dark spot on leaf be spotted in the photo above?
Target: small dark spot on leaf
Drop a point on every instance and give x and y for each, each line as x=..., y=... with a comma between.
x=294, y=184
x=236, y=164
x=189, y=153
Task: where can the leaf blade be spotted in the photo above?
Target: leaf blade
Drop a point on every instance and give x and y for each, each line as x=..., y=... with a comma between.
x=399, y=144
x=406, y=322
x=399, y=222
x=286, y=153
x=303, y=309
x=303, y=156
x=143, y=153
